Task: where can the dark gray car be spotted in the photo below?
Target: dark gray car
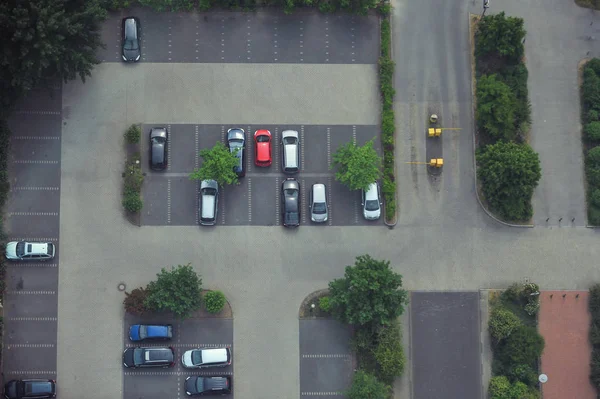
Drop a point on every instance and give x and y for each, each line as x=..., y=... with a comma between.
x=200, y=385
x=132, y=49
x=158, y=148
x=236, y=141
x=290, y=202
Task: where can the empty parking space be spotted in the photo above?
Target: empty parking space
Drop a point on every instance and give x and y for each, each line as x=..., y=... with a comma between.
x=170, y=198
x=31, y=277
x=268, y=36
x=30, y=360
x=445, y=344
x=159, y=383
x=29, y=331
x=41, y=127
x=26, y=199
x=326, y=364
x=31, y=303
x=35, y=149
x=31, y=226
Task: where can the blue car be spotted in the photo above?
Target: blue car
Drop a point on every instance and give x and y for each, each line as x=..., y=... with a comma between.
x=143, y=332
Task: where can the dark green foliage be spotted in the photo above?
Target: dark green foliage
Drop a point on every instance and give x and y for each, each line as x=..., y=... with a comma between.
x=592, y=130
x=366, y=386
x=132, y=202
x=214, y=301
x=389, y=354
x=498, y=34
x=496, y=104
x=592, y=167
x=133, y=134
x=502, y=323
x=134, y=301
x=325, y=304
x=523, y=347
x=524, y=373
x=370, y=293
x=595, y=367
x=133, y=178
x=47, y=40
x=593, y=215
x=592, y=116
x=499, y=387
x=509, y=173
x=357, y=166
x=386, y=35
x=217, y=164
x=594, y=308
x=177, y=290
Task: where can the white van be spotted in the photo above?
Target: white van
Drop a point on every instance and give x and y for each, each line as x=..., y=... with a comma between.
x=290, y=150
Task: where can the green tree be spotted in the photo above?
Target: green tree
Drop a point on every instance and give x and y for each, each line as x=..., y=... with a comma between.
x=501, y=35
x=169, y=5
x=509, y=173
x=46, y=40
x=592, y=166
x=502, y=323
x=217, y=164
x=524, y=346
x=496, y=104
x=366, y=386
x=499, y=387
x=357, y=166
x=590, y=89
x=214, y=301
x=177, y=290
x=592, y=131
x=389, y=353
x=370, y=292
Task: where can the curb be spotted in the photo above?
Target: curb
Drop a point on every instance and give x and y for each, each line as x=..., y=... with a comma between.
x=475, y=146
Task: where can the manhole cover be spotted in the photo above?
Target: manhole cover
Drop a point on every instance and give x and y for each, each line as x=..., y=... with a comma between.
x=121, y=286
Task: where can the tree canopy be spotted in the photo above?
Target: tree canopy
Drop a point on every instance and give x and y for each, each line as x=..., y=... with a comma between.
x=496, y=104
x=500, y=34
x=217, y=164
x=47, y=40
x=177, y=290
x=357, y=166
x=509, y=173
x=369, y=293
x=366, y=386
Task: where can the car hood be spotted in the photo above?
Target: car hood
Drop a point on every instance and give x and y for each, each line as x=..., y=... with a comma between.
x=134, y=332
x=10, y=389
x=319, y=217
x=372, y=215
x=190, y=385
x=186, y=359
x=11, y=250
x=131, y=55
x=128, y=357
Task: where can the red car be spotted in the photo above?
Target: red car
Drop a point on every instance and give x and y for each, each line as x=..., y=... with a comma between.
x=262, y=148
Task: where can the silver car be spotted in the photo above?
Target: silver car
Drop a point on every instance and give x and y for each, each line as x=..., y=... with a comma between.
x=318, y=203
x=290, y=150
x=371, y=202
x=23, y=250
x=236, y=141
x=209, y=202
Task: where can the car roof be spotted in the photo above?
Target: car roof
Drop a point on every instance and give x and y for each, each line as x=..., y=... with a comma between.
x=214, y=355
x=209, y=184
x=318, y=191
x=131, y=27
x=235, y=133
x=291, y=184
x=217, y=382
x=158, y=132
x=371, y=193
x=36, y=247
x=262, y=132
x=289, y=133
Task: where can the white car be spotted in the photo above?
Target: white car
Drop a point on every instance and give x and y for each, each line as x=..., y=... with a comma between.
x=201, y=358
x=371, y=202
x=23, y=250
x=209, y=202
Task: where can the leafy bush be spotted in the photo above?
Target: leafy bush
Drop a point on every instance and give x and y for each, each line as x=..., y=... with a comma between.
x=499, y=387
x=592, y=131
x=594, y=215
x=496, y=106
x=135, y=301
x=325, y=304
x=595, y=197
x=386, y=36
x=524, y=373
x=133, y=177
x=592, y=115
x=594, y=301
x=214, y=301
x=595, y=367
x=390, y=354
x=176, y=290
x=366, y=386
x=502, y=323
x=133, y=134
x=523, y=347
x=132, y=202
x=501, y=35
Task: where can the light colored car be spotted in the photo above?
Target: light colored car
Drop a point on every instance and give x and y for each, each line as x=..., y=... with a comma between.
x=23, y=250
x=202, y=358
x=290, y=150
x=371, y=202
x=209, y=202
x=318, y=203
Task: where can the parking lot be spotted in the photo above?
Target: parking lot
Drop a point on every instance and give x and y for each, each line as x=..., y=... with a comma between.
x=192, y=333
x=171, y=198
x=445, y=345
x=270, y=36
x=32, y=214
x=326, y=365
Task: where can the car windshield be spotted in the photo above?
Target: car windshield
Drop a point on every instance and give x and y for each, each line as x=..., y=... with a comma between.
x=236, y=142
x=319, y=208
x=197, y=357
x=262, y=139
x=290, y=192
x=289, y=140
x=20, y=248
x=50, y=249
x=209, y=191
x=200, y=384
x=130, y=44
x=138, y=356
x=158, y=140
x=37, y=388
x=291, y=217
x=142, y=332
x=372, y=205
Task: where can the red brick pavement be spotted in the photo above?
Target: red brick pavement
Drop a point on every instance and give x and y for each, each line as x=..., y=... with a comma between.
x=564, y=323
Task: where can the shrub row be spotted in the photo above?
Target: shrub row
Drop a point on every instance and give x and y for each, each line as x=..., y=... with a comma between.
x=360, y=7
x=386, y=74
x=503, y=114
x=136, y=301
x=594, y=307
x=590, y=117
x=516, y=343
x=133, y=178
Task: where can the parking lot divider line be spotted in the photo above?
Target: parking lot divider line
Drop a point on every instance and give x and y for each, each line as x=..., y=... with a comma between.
x=222, y=207
x=302, y=146
x=169, y=145
x=249, y=200
x=196, y=152
x=329, y=189
x=249, y=148
x=304, y=208
x=328, y=148
x=277, y=200
x=168, y=201
x=354, y=134
x=276, y=140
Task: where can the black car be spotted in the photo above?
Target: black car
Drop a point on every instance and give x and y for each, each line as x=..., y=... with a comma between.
x=290, y=202
x=198, y=385
x=132, y=49
x=236, y=141
x=158, y=148
x=17, y=389
x=148, y=357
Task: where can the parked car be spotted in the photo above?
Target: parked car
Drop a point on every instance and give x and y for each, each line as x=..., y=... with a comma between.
x=158, y=148
x=143, y=332
x=209, y=202
x=20, y=389
x=202, y=358
x=199, y=385
x=24, y=250
x=132, y=48
x=290, y=151
x=236, y=141
x=290, y=202
x=371, y=202
x=148, y=357
x=318, y=203
x=262, y=148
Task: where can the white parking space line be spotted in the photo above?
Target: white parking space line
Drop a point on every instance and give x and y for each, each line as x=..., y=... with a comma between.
x=33, y=239
x=19, y=265
x=249, y=200
x=249, y=39
x=277, y=201
x=354, y=134
x=26, y=188
x=23, y=292
x=52, y=319
x=275, y=23
x=169, y=40
x=321, y=393
x=165, y=373
x=35, y=137
x=170, y=133
x=37, y=112
x=268, y=174
x=222, y=134
x=356, y=210
x=32, y=213
x=304, y=209
x=222, y=206
x=353, y=40
x=178, y=345
x=22, y=161
x=327, y=356
x=33, y=372
x=169, y=201
x=17, y=346
x=302, y=147
x=329, y=202
x=277, y=146
x=328, y=147
x=196, y=152
x=223, y=39
x=301, y=41
x=249, y=149
x=198, y=203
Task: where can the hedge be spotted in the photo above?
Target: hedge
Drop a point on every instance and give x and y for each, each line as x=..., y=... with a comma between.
x=594, y=308
x=590, y=110
x=214, y=301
